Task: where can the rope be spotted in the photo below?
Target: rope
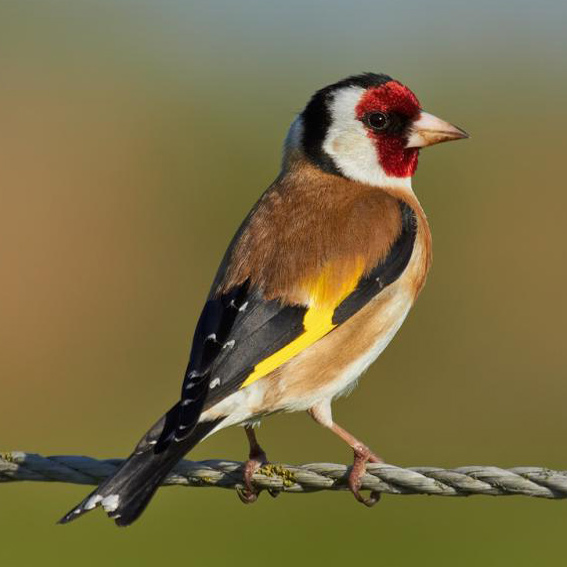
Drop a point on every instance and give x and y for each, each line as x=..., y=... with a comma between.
x=388, y=479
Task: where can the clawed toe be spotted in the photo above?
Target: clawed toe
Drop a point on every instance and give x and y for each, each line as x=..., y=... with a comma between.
x=249, y=494
x=321, y=413
x=367, y=501
x=246, y=496
x=362, y=455
x=256, y=459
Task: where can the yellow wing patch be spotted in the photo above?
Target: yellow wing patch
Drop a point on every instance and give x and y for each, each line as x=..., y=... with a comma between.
x=326, y=294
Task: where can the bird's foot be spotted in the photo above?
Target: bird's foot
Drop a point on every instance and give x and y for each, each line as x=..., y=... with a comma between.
x=362, y=455
x=256, y=459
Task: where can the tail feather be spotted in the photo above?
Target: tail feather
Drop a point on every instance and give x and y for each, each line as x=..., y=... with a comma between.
x=125, y=495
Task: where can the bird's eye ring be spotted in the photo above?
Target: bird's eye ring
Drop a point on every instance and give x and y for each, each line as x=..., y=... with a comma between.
x=378, y=121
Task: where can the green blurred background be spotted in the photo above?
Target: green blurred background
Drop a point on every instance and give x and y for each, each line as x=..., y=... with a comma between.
x=134, y=136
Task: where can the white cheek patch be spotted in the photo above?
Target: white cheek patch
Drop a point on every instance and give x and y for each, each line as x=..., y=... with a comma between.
x=347, y=142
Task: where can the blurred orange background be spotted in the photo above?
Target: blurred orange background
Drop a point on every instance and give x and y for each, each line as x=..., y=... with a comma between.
x=134, y=138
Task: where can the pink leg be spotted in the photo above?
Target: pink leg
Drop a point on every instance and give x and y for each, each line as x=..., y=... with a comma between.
x=256, y=459
x=362, y=454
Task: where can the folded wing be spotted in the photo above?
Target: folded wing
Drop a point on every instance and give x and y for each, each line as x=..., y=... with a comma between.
x=241, y=336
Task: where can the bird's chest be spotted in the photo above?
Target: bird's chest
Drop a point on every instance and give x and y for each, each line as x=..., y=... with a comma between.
x=332, y=365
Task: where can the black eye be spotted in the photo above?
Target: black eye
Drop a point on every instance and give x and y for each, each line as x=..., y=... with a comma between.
x=377, y=120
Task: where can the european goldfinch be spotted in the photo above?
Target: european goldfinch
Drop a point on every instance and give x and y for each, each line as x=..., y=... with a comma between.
x=315, y=284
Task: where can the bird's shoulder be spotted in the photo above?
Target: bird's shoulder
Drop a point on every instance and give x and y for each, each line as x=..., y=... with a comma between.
x=311, y=233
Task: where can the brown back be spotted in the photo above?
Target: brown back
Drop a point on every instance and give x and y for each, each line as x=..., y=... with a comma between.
x=311, y=229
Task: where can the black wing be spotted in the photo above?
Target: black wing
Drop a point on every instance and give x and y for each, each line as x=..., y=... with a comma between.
x=235, y=332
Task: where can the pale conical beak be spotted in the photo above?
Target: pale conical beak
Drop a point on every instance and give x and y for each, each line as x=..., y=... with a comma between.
x=428, y=130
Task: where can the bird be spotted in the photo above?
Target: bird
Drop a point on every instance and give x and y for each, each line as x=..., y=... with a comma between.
x=312, y=288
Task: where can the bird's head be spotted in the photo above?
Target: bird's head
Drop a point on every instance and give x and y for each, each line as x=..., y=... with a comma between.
x=369, y=128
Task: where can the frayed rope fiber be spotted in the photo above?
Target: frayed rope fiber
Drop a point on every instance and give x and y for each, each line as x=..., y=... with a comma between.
x=388, y=479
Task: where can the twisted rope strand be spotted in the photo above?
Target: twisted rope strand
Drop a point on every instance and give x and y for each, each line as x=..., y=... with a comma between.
x=388, y=479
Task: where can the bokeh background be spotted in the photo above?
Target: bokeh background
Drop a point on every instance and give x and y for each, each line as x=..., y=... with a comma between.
x=134, y=136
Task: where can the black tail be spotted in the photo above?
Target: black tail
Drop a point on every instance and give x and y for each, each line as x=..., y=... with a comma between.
x=125, y=494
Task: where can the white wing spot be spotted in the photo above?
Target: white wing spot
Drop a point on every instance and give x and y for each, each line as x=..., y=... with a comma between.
x=214, y=383
x=229, y=344
x=110, y=503
x=211, y=337
x=92, y=502
x=243, y=306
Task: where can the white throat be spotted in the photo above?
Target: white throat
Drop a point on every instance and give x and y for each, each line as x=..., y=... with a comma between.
x=352, y=151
